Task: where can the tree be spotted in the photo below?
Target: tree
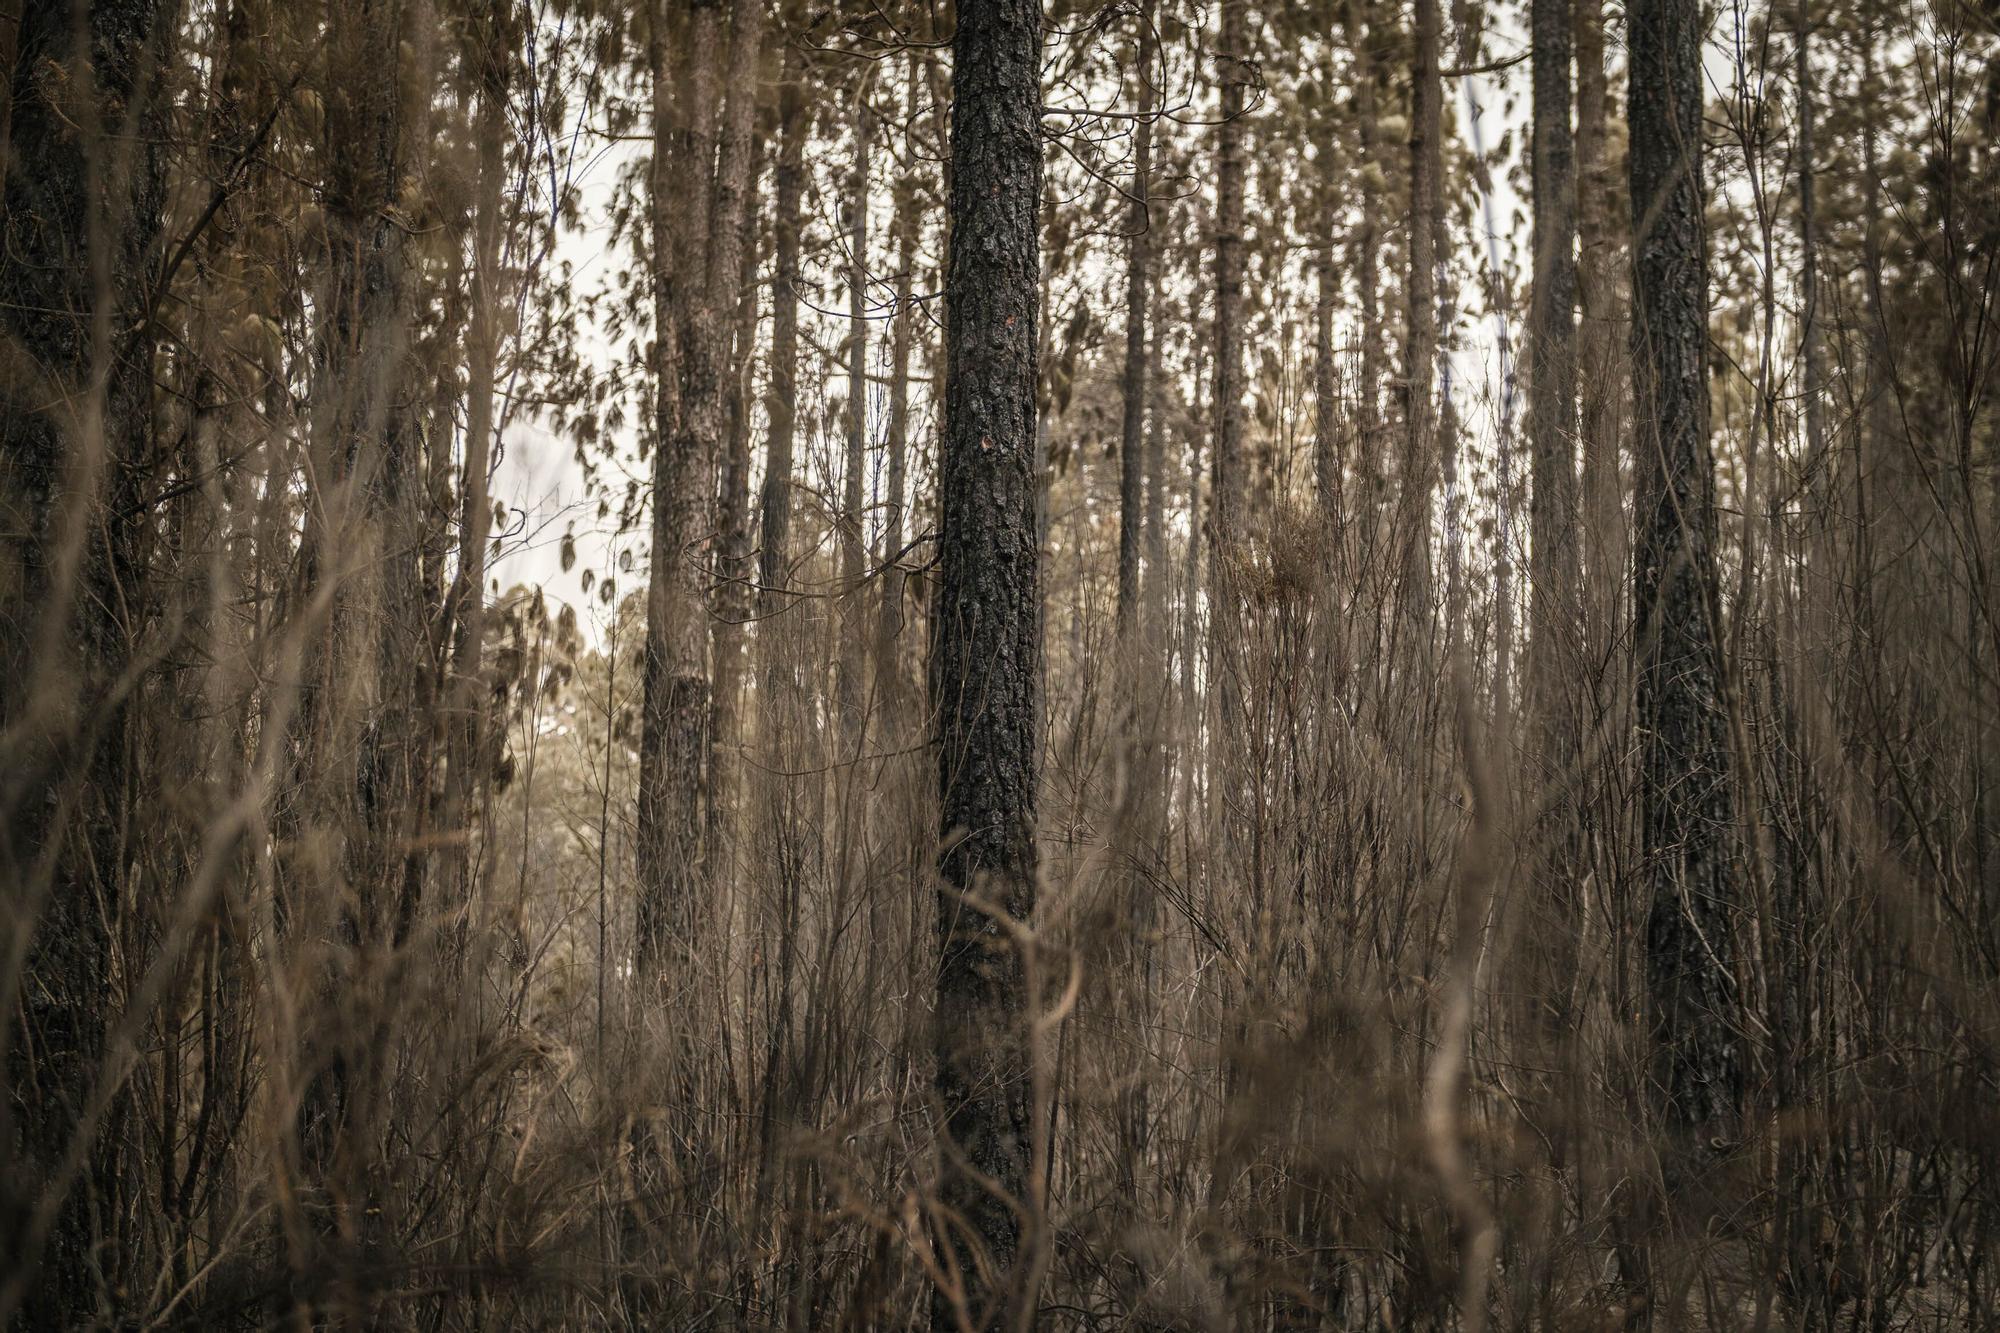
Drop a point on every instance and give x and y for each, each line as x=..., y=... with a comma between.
x=1420, y=352
x=1552, y=402
x=1685, y=794
x=985, y=670
x=699, y=187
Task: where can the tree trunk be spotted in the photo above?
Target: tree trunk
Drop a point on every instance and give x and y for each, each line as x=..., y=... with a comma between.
x=853, y=564
x=465, y=718
x=699, y=197
x=889, y=624
x=781, y=406
x=985, y=673
x=1552, y=383
x=1600, y=381
x=1685, y=798
x=1225, y=503
x=734, y=572
x=1138, y=282
x=1366, y=243
x=1420, y=445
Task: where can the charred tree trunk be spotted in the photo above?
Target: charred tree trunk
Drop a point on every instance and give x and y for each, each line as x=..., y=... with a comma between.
x=1685, y=797
x=985, y=671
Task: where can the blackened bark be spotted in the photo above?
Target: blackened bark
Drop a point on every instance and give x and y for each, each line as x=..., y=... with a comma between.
x=985, y=671
x=84, y=190
x=1684, y=766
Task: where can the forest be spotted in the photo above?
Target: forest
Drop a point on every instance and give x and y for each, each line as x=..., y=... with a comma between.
x=1000, y=664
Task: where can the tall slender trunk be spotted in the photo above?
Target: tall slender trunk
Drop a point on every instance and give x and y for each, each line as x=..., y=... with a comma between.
x=781, y=405
x=1600, y=375
x=1420, y=444
x=1685, y=798
x=1142, y=812
x=853, y=543
x=986, y=666
x=735, y=563
x=889, y=624
x=1327, y=462
x=1552, y=381
x=464, y=717
x=1554, y=623
x=1365, y=242
x=1133, y=386
x=1225, y=502
x=1226, y=484
x=675, y=665
x=1811, y=357
x=700, y=189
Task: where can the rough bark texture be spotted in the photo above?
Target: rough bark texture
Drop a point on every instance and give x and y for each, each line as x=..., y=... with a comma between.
x=674, y=683
x=1552, y=371
x=83, y=197
x=1226, y=486
x=1684, y=766
x=1600, y=362
x=1554, y=624
x=735, y=566
x=700, y=187
x=985, y=673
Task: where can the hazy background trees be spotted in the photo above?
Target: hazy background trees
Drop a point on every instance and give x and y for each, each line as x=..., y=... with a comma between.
x=678, y=664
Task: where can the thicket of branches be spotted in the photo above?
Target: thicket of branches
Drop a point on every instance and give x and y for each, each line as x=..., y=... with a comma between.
x=1236, y=665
